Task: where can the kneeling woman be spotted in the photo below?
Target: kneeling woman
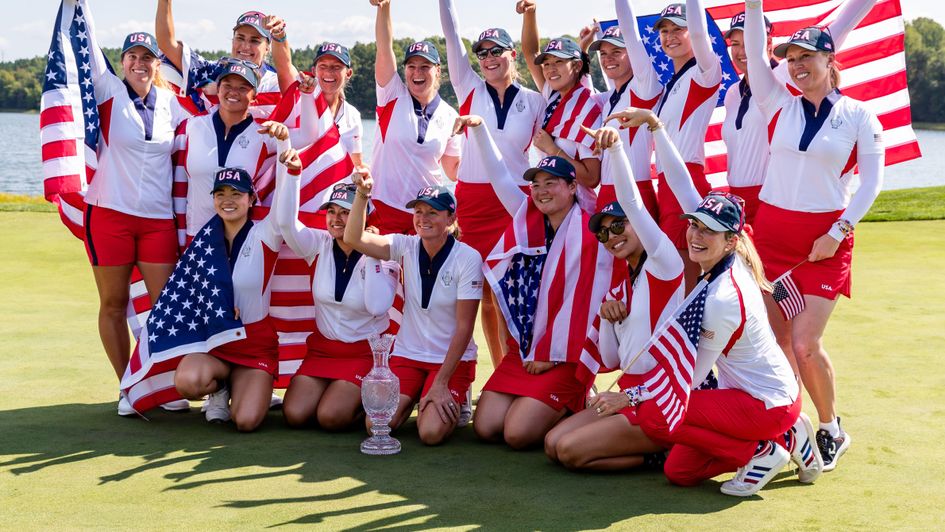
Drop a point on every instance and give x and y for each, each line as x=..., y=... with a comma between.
x=607, y=436
x=250, y=364
x=434, y=355
x=752, y=423
x=352, y=295
x=546, y=271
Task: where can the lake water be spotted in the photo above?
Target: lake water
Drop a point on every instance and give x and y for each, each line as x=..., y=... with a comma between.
x=20, y=171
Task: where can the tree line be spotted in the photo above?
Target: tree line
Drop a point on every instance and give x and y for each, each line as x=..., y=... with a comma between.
x=21, y=81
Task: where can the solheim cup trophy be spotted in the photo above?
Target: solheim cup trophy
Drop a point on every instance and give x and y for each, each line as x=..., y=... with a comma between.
x=380, y=393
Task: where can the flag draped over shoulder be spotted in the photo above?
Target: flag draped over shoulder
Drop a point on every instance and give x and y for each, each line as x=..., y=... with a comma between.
x=592, y=359
x=193, y=314
x=573, y=110
x=548, y=296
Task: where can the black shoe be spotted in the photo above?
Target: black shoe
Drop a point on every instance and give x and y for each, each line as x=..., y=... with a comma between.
x=655, y=461
x=832, y=448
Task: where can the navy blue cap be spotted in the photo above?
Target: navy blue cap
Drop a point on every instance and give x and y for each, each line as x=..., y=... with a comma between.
x=335, y=50
x=553, y=165
x=496, y=35
x=255, y=20
x=237, y=178
x=611, y=35
x=438, y=197
x=342, y=195
x=720, y=211
x=243, y=69
x=424, y=49
x=142, y=39
x=738, y=23
x=611, y=209
x=562, y=47
x=675, y=13
x=810, y=38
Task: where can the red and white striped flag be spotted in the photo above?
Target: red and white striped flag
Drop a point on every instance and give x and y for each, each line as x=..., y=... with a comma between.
x=575, y=109
x=787, y=295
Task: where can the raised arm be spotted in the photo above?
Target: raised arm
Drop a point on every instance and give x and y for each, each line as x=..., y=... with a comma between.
x=676, y=173
x=851, y=13
x=166, y=38
x=530, y=43
x=372, y=245
x=502, y=181
x=281, y=52
x=762, y=79
x=385, y=64
x=461, y=72
x=311, y=125
x=700, y=38
x=100, y=72
x=380, y=285
x=640, y=61
x=285, y=207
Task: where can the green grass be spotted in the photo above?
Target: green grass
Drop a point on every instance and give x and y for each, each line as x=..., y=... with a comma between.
x=67, y=461
x=934, y=126
x=22, y=203
x=908, y=204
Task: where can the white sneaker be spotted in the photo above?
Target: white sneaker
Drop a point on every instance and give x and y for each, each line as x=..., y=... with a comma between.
x=275, y=401
x=180, y=405
x=758, y=471
x=465, y=411
x=124, y=406
x=804, y=453
x=218, y=406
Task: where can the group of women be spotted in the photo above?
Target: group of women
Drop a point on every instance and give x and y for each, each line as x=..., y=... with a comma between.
x=586, y=255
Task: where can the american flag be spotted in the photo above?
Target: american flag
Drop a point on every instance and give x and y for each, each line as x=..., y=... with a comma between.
x=193, y=314
x=872, y=58
x=567, y=113
x=787, y=295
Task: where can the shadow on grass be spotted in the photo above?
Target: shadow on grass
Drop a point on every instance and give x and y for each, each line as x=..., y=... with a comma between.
x=461, y=484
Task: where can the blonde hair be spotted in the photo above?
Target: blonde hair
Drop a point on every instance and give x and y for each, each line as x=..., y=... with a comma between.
x=454, y=230
x=834, y=74
x=745, y=248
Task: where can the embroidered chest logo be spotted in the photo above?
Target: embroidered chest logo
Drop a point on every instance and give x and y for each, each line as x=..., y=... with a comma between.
x=447, y=278
x=836, y=123
x=520, y=106
x=246, y=251
x=243, y=142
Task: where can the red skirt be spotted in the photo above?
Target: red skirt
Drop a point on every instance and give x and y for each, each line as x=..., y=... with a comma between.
x=632, y=413
x=669, y=208
x=607, y=194
x=416, y=378
x=558, y=387
x=784, y=238
x=750, y=195
x=259, y=350
x=482, y=218
x=336, y=360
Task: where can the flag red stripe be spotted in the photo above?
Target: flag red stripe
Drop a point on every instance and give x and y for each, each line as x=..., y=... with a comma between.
x=55, y=115
x=873, y=51
x=59, y=148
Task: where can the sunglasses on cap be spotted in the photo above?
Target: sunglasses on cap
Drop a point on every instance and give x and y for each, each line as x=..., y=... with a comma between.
x=226, y=61
x=344, y=186
x=495, y=51
x=617, y=228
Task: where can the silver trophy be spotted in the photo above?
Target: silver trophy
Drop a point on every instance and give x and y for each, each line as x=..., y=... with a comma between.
x=380, y=394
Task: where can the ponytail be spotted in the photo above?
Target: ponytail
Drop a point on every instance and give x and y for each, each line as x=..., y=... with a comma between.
x=834, y=71
x=454, y=230
x=747, y=251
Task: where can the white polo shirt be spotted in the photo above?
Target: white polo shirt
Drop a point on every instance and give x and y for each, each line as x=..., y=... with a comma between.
x=134, y=173
x=813, y=156
x=637, y=141
x=426, y=333
x=685, y=109
x=349, y=125
x=249, y=150
x=401, y=165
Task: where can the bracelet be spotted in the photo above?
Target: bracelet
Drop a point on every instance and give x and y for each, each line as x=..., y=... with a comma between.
x=363, y=195
x=284, y=37
x=844, y=226
x=655, y=126
x=635, y=395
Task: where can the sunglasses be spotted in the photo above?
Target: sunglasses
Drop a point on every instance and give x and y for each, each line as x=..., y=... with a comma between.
x=617, y=228
x=226, y=61
x=344, y=186
x=495, y=51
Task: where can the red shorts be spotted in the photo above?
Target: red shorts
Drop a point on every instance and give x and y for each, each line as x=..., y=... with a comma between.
x=669, y=209
x=558, y=387
x=259, y=350
x=390, y=220
x=750, y=195
x=335, y=360
x=607, y=194
x=416, y=377
x=482, y=218
x=114, y=238
x=784, y=238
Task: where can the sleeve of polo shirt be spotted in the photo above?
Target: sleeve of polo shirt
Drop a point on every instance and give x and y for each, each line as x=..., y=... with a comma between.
x=380, y=285
x=470, y=275
x=358, y=133
x=722, y=317
x=395, y=89
x=400, y=245
x=871, y=158
x=454, y=146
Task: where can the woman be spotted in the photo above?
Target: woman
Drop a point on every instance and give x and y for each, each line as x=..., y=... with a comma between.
x=808, y=188
x=434, y=355
x=607, y=435
x=546, y=275
x=238, y=375
x=332, y=70
x=686, y=105
x=414, y=136
x=129, y=220
x=752, y=423
x=352, y=294
x=561, y=73
x=745, y=130
x=512, y=113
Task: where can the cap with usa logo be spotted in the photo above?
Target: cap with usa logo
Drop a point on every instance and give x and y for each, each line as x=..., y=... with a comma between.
x=611, y=35
x=142, y=39
x=811, y=38
x=553, y=165
x=236, y=178
x=495, y=35
x=335, y=50
x=675, y=13
x=738, y=23
x=254, y=19
x=720, y=211
x=342, y=195
x=424, y=49
x=562, y=47
x=241, y=69
x=611, y=209
x=438, y=197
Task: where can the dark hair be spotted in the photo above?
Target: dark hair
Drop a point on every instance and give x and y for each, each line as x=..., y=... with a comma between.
x=586, y=66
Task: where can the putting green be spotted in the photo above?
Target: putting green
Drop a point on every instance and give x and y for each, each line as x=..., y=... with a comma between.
x=67, y=461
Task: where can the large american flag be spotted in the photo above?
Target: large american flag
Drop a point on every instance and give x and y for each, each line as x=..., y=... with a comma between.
x=872, y=58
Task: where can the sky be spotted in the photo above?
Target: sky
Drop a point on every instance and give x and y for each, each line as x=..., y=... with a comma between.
x=208, y=24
